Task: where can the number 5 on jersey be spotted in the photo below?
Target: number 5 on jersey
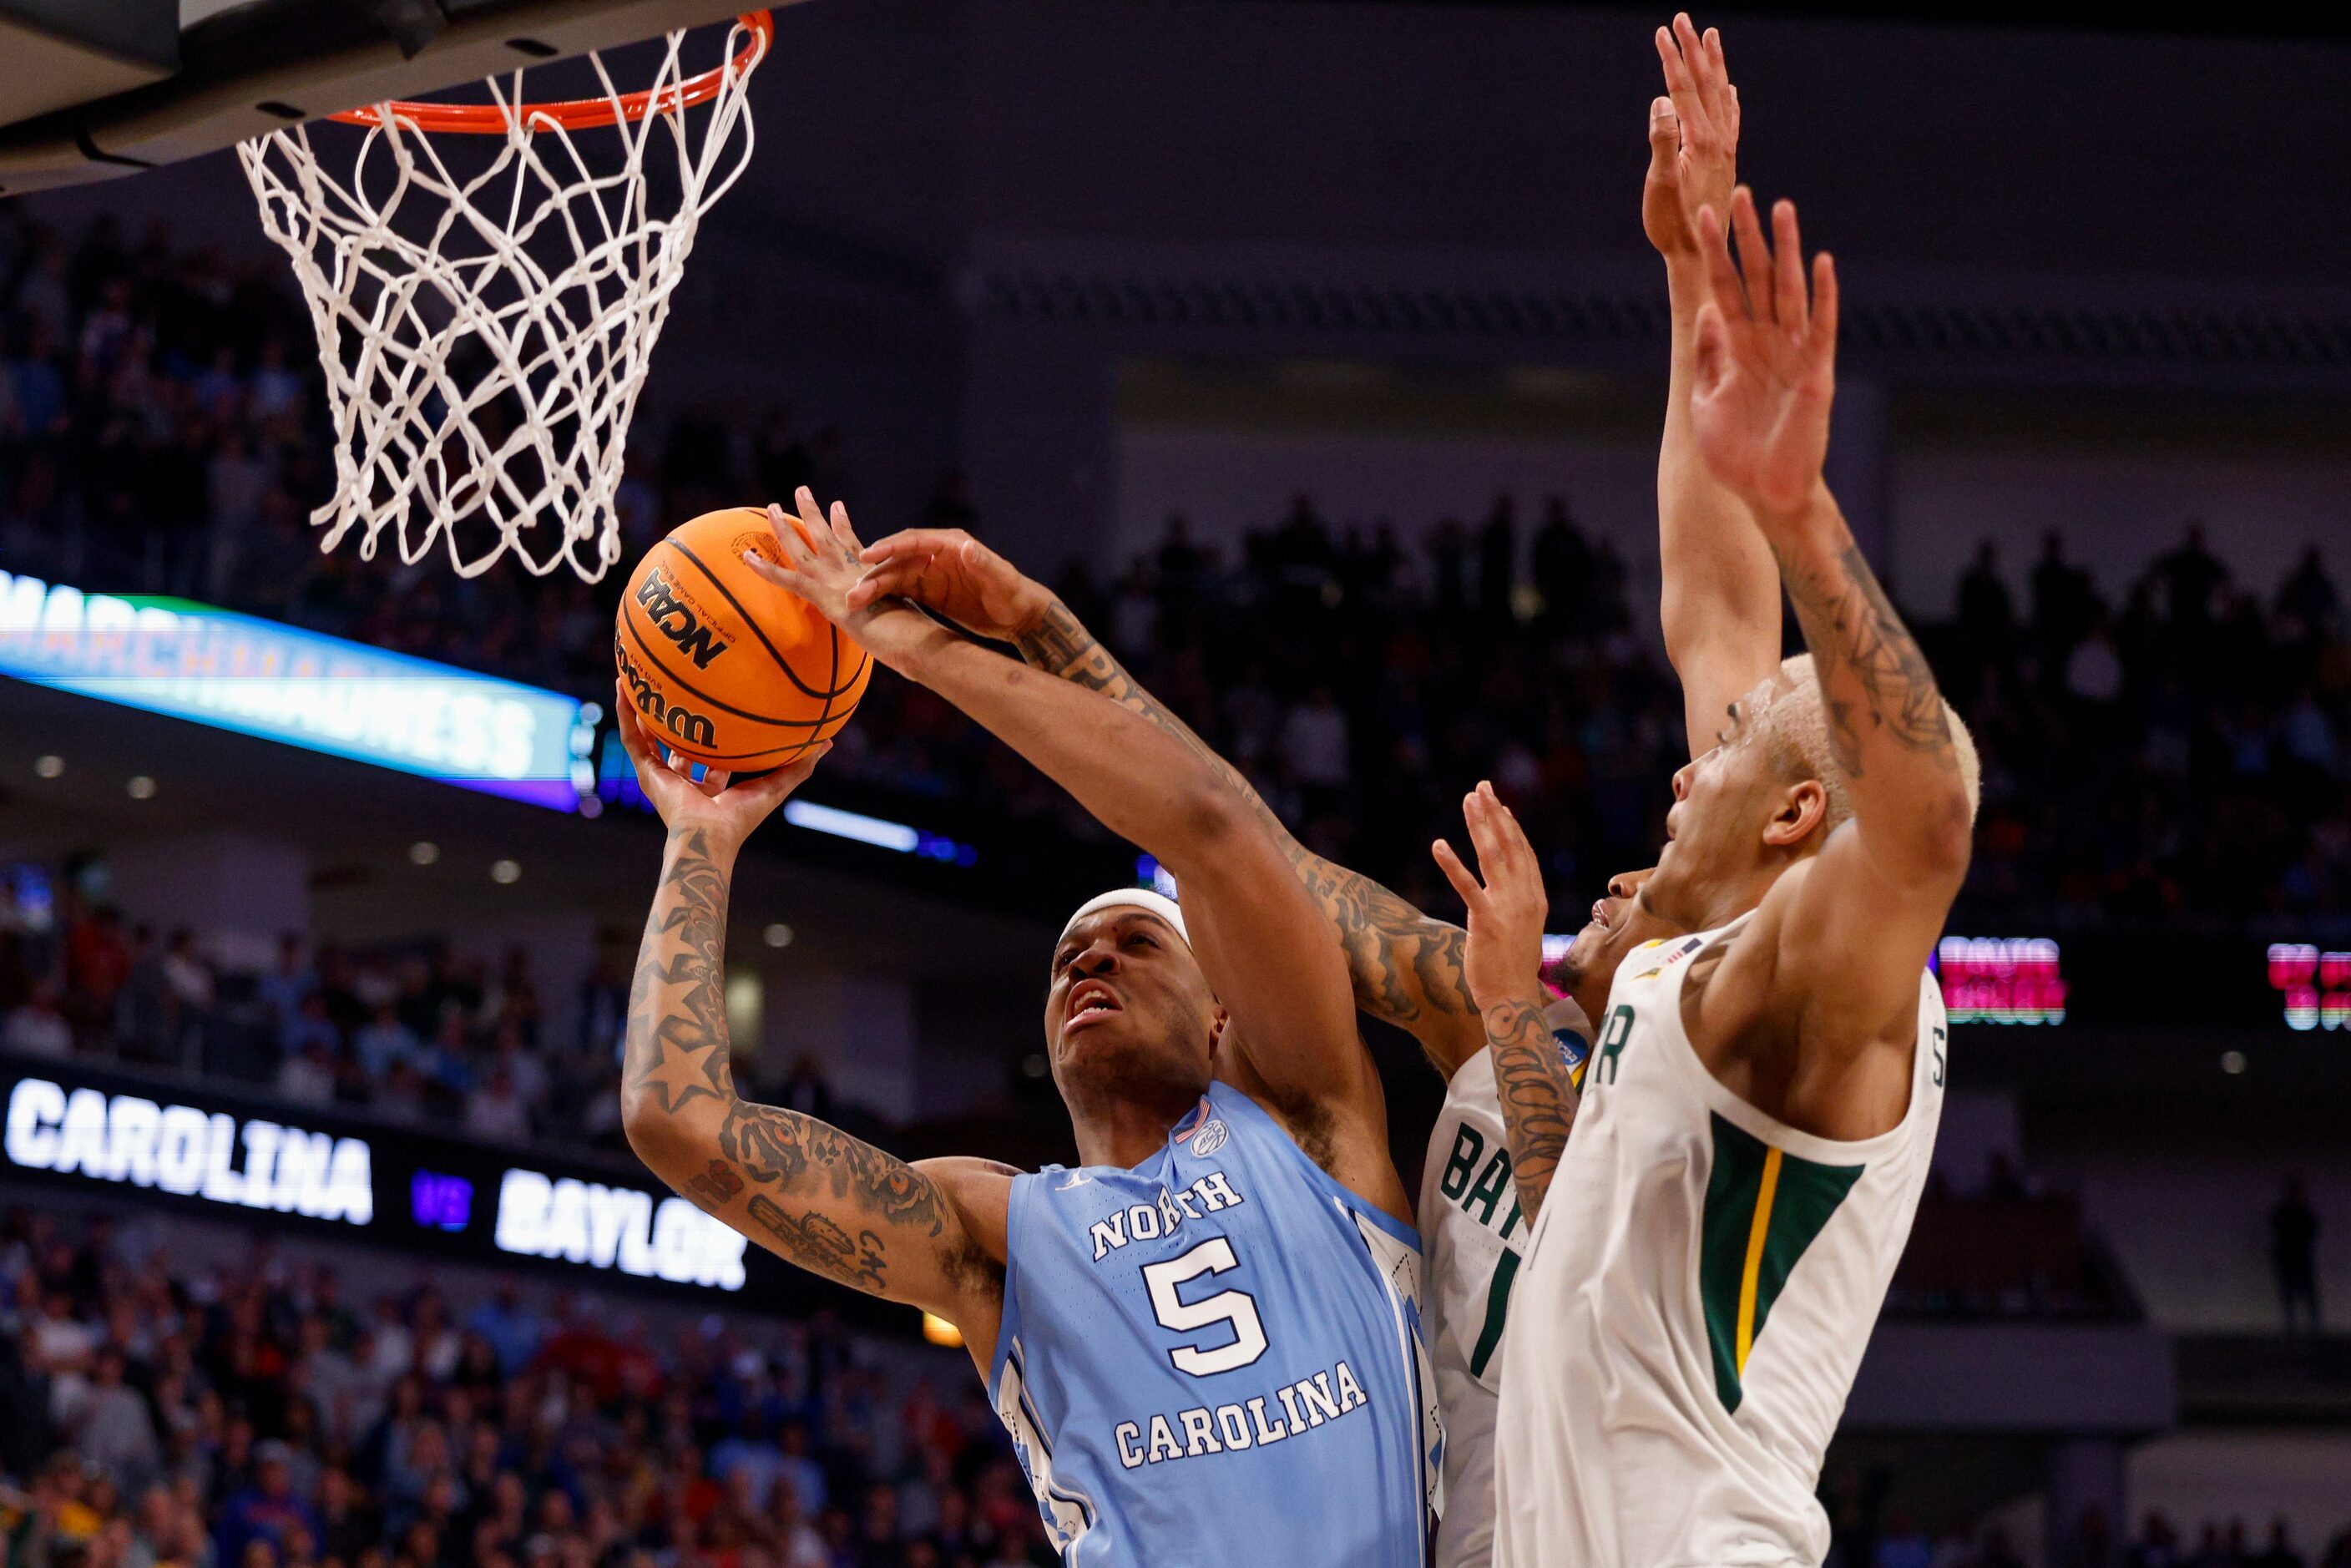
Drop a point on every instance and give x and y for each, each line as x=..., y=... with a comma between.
x=1235, y=1308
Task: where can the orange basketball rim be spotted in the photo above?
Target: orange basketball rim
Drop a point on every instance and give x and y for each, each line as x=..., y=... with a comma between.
x=579, y=113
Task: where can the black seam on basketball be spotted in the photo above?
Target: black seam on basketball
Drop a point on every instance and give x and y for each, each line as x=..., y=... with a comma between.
x=794, y=748
x=863, y=659
x=751, y=622
x=831, y=674
x=691, y=689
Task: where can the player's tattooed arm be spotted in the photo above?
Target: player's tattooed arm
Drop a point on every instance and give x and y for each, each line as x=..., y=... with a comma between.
x=1837, y=948
x=1538, y=1093
x=1852, y=628
x=1766, y=380
x=1405, y=967
x=1508, y=904
x=798, y=1186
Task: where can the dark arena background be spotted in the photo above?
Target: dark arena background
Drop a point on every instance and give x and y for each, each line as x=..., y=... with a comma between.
x=1314, y=351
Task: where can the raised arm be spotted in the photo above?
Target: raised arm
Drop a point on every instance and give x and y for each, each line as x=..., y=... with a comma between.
x=931, y=1236
x=1856, y=926
x=1405, y=967
x=1261, y=940
x=1720, y=603
x=1507, y=911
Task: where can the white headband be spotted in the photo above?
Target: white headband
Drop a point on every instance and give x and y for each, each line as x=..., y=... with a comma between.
x=1158, y=903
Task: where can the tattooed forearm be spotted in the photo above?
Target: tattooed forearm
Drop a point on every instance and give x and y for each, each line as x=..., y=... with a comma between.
x=1405, y=967
x=676, y=1044
x=798, y=1154
x=756, y=1166
x=1850, y=624
x=1539, y=1097
x=818, y=1244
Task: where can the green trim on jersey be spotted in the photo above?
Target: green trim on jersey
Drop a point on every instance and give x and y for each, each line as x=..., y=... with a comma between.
x=1497, y=1312
x=1763, y=1208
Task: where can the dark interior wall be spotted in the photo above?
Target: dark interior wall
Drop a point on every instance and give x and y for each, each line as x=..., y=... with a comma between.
x=1416, y=125
x=913, y=125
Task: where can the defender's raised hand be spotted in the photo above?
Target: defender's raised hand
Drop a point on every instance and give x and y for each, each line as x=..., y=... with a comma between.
x=820, y=560
x=1693, y=139
x=1766, y=360
x=1505, y=921
x=950, y=572
x=1506, y=910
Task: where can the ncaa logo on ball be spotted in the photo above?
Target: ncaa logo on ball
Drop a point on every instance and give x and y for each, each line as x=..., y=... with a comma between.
x=676, y=620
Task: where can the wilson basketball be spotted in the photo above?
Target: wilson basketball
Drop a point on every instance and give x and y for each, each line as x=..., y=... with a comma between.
x=723, y=665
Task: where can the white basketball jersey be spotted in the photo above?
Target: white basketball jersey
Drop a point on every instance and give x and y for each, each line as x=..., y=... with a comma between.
x=1695, y=1303
x=1473, y=1234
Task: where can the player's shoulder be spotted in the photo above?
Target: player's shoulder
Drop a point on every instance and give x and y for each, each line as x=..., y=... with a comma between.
x=979, y=1192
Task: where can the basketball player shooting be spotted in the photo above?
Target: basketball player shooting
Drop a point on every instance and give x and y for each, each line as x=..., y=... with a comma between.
x=1483, y=1181
x=1212, y=1322
x=1761, y=1106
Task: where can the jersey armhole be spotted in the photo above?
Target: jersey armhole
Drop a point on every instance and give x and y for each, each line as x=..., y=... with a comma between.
x=1348, y=1201
x=1009, y=1326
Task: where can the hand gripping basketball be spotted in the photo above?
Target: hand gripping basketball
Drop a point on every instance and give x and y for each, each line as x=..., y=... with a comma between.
x=721, y=663
x=708, y=803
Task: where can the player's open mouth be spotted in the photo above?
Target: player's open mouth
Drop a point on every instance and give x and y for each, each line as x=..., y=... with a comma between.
x=1091, y=1001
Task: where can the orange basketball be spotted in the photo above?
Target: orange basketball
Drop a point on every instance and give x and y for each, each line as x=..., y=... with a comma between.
x=723, y=665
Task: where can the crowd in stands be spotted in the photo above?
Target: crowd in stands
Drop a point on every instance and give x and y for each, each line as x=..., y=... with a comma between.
x=249, y=1413
x=413, y=1035
x=160, y=1413
x=2181, y=751
x=1899, y=1541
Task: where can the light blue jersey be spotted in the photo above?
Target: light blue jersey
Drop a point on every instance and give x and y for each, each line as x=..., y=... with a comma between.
x=1215, y=1357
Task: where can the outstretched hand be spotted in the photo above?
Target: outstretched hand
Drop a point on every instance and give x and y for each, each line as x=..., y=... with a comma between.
x=727, y=810
x=1693, y=139
x=1507, y=910
x=948, y=571
x=1766, y=360
x=820, y=560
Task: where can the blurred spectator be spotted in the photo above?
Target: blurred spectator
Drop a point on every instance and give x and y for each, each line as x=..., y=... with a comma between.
x=284, y=989
x=98, y=961
x=1984, y=607
x=495, y=1110
x=113, y=1428
x=2279, y=1552
x=306, y=1076
x=604, y=1011
x=187, y=977
x=1314, y=741
x=2190, y=575
x=2156, y=1546
x=384, y=1043
x=37, y=1028
x=1903, y=1546
x=2293, y=1258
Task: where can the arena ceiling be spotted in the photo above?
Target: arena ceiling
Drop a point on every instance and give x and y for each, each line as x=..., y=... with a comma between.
x=2053, y=15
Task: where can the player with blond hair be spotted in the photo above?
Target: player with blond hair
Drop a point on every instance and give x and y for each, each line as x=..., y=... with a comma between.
x=1760, y=1112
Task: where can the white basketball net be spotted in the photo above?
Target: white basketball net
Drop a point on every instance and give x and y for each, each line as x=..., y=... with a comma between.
x=484, y=338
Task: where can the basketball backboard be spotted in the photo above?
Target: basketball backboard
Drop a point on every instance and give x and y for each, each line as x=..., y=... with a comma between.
x=95, y=92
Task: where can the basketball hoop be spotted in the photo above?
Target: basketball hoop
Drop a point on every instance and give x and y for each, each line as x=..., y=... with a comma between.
x=485, y=336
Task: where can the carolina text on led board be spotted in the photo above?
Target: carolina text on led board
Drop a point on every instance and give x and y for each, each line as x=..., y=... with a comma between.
x=133, y=1140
